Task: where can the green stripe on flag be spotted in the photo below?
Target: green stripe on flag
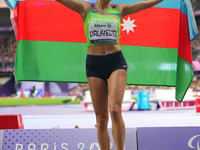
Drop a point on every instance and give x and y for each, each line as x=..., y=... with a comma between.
x=65, y=62
x=151, y=65
x=185, y=74
x=51, y=61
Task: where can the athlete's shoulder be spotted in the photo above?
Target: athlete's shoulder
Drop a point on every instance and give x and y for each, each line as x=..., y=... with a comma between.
x=86, y=6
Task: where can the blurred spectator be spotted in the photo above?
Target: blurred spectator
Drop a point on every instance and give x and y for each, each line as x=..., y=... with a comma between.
x=195, y=85
x=196, y=43
x=33, y=91
x=8, y=48
x=80, y=91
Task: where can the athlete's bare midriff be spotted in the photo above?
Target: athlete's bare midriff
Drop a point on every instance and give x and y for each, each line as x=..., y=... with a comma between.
x=103, y=49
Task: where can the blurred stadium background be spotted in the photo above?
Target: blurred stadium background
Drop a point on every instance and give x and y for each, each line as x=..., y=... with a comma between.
x=75, y=91
x=48, y=107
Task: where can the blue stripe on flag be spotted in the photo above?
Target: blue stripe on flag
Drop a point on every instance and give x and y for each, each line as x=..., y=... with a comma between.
x=11, y=3
x=186, y=8
x=183, y=5
x=165, y=4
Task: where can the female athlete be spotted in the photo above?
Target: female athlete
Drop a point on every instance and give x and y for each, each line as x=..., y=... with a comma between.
x=106, y=66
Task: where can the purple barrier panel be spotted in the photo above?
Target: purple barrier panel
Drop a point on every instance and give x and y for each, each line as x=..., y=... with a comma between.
x=169, y=138
x=1, y=139
x=60, y=139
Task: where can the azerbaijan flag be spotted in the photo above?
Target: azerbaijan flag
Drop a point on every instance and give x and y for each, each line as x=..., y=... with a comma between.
x=155, y=42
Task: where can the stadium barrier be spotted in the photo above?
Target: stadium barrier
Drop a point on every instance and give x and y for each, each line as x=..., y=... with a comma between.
x=11, y=121
x=198, y=105
x=167, y=101
x=126, y=105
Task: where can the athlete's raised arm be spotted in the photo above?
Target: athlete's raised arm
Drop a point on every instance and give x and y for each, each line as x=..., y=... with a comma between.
x=127, y=9
x=79, y=6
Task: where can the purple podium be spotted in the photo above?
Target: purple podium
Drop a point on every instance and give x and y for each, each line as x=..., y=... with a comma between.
x=142, y=138
x=60, y=139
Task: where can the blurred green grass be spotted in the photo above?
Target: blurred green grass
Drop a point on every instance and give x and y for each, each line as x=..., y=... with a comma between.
x=34, y=101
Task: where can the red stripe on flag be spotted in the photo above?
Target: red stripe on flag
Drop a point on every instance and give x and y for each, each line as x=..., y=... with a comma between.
x=156, y=27
x=184, y=50
x=52, y=21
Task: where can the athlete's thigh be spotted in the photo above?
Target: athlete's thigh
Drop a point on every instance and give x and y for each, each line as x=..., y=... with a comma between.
x=116, y=87
x=99, y=94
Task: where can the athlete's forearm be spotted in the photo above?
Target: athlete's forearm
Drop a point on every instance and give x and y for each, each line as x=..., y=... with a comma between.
x=72, y=4
x=154, y=2
x=127, y=9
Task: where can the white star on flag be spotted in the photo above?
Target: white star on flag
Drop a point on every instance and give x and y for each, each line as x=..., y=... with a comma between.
x=128, y=25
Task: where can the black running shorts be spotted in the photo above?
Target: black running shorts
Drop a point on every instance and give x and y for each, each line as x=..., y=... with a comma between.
x=101, y=66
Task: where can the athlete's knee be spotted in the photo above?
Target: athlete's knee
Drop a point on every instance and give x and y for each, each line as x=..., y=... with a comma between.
x=115, y=112
x=102, y=123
